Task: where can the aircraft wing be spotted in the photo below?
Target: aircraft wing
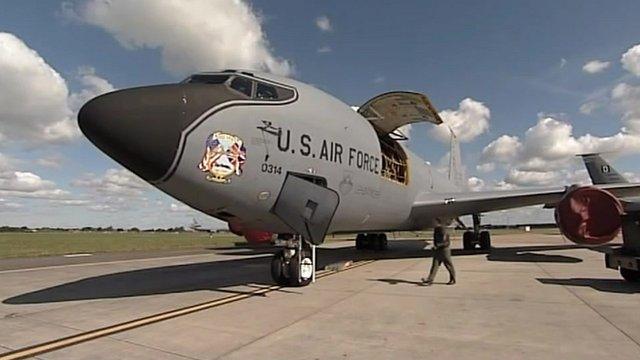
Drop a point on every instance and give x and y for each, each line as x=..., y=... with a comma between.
x=464, y=203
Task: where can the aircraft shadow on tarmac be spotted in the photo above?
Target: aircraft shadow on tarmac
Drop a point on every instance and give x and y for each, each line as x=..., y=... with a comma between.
x=220, y=275
x=516, y=254
x=224, y=274
x=618, y=286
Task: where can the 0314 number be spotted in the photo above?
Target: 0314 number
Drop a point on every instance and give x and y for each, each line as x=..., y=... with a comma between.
x=271, y=169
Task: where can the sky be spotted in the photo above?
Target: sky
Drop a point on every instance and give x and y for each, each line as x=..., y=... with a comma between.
x=525, y=86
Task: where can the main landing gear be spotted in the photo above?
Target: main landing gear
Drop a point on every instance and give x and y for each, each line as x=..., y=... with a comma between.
x=372, y=242
x=627, y=257
x=294, y=264
x=472, y=239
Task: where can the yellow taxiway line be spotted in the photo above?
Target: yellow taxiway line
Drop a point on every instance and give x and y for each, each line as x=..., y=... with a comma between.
x=64, y=342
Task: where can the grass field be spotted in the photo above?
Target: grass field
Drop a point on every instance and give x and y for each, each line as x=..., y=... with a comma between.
x=18, y=244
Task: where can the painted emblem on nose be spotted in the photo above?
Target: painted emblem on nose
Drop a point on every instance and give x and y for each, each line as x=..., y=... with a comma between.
x=224, y=155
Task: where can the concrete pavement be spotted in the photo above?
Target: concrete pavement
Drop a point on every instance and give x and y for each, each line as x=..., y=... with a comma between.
x=533, y=297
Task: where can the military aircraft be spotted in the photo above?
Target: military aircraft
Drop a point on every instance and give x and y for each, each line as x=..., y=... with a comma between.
x=277, y=158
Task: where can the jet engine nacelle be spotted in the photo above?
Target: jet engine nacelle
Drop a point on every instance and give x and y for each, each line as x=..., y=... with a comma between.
x=589, y=216
x=252, y=236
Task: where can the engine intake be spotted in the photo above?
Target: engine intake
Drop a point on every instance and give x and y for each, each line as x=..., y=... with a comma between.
x=589, y=216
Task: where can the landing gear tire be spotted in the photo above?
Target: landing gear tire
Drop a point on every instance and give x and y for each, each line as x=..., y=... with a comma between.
x=485, y=240
x=360, y=241
x=632, y=276
x=468, y=240
x=301, y=269
x=277, y=268
x=375, y=241
x=379, y=242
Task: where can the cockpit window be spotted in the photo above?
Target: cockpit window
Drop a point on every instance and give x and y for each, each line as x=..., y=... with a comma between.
x=207, y=79
x=266, y=92
x=252, y=88
x=242, y=85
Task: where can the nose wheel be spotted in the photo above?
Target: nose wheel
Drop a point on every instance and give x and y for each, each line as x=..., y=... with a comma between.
x=293, y=265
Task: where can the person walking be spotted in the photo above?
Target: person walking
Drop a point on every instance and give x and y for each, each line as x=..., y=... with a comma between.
x=441, y=254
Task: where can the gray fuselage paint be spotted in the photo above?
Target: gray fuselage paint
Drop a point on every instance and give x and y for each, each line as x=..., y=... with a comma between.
x=319, y=135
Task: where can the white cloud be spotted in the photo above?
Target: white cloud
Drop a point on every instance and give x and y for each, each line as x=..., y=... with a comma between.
x=51, y=161
x=103, y=208
x=504, y=149
x=115, y=190
x=324, y=24
x=627, y=99
x=631, y=60
x=29, y=185
x=23, y=181
x=632, y=177
x=5, y=162
x=469, y=121
x=547, y=152
x=475, y=184
x=191, y=36
x=563, y=63
x=531, y=178
x=589, y=107
x=6, y=205
x=114, y=182
x=71, y=202
x=325, y=49
x=24, y=184
x=93, y=86
x=595, y=66
x=378, y=79
x=35, y=106
x=486, y=167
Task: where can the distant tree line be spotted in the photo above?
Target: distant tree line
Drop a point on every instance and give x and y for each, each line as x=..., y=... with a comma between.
x=26, y=229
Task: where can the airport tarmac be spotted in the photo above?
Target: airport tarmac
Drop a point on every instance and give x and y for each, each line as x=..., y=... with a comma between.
x=534, y=297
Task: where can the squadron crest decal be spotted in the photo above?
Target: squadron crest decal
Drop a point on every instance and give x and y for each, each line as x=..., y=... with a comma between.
x=224, y=156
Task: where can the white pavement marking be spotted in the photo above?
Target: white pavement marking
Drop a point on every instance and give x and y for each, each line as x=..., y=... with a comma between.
x=77, y=255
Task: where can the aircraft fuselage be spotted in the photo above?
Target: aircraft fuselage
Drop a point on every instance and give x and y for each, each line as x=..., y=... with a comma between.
x=232, y=158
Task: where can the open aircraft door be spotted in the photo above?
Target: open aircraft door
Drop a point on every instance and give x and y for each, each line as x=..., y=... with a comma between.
x=389, y=111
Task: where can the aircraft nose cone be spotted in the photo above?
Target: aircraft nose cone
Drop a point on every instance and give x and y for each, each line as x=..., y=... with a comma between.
x=140, y=128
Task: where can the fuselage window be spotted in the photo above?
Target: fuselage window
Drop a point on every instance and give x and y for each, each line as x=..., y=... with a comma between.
x=266, y=92
x=207, y=79
x=242, y=85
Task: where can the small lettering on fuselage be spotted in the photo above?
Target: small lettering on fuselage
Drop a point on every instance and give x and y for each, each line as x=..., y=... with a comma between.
x=329, y=151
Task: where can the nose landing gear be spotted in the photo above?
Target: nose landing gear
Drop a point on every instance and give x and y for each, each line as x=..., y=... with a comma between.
x=294, y=264
x=307, y=206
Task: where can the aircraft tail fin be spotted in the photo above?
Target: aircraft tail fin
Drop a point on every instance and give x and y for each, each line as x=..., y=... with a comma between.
x=600, y=171
x=456, y=172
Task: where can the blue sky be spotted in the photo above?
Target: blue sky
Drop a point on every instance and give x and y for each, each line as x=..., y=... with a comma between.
x=521, y=65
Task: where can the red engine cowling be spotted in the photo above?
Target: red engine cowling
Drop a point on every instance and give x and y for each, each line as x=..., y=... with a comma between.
x=589, y=216
x=252, y=236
